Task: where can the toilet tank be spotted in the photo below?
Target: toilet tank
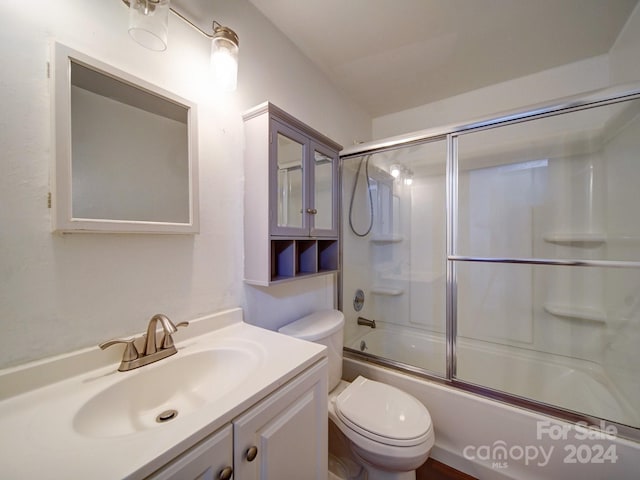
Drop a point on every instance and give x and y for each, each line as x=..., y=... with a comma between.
x=327, y=328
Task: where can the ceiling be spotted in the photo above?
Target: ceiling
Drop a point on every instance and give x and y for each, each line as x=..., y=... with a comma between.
x=390, y=55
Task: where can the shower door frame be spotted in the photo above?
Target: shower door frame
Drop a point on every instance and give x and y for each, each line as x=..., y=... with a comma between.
x=603, y=97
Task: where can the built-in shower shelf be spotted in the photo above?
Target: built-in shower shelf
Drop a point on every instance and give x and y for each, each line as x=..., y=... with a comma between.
x=382, y=239
x=424, y=276
x=581, y=313
x=388, y=291
x=576, y=239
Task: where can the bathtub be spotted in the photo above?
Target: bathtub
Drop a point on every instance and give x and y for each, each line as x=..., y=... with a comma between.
x=473, y=432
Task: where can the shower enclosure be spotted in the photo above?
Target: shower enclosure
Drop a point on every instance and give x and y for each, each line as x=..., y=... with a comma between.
x=503, y=256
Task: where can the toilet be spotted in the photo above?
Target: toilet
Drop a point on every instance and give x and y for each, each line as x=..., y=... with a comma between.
x=388, y=431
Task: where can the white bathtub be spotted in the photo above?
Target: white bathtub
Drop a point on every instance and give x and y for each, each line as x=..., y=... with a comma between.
x=573, y=384
x=467, y=421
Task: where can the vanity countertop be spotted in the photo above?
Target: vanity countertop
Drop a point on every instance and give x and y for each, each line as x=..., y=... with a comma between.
x=42, y=435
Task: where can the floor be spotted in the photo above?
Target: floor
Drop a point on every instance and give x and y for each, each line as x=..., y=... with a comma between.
x=434, y=470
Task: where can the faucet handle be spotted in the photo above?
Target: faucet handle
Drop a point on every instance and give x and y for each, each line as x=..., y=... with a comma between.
x=130, y=351
x=167, y=341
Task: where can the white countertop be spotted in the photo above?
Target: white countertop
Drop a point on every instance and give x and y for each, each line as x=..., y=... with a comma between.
x=37, y=435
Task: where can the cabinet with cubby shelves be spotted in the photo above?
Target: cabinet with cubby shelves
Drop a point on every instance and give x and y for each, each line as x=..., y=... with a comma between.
x=291, y=203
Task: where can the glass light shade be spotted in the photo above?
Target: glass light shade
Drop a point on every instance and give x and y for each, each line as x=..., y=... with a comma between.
x=395, y=171
x=149, y=23
x=224, y=59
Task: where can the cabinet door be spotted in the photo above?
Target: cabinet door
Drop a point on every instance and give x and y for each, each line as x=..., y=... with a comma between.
x=288, y=151
x=285, y=435
x=323, y=191
x=205, y=461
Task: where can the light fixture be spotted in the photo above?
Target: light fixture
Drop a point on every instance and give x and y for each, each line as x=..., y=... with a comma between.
x=148, y=25
x=395, y=170
x=224, y=57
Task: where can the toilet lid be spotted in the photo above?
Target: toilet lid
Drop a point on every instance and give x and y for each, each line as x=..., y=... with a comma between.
x=316, y=326
x=383, y=413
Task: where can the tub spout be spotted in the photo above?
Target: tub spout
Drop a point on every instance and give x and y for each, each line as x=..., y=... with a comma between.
x=366, y=322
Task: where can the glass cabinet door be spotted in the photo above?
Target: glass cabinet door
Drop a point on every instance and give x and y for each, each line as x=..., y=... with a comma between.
x=304, y=176
x=322, y=207
x=288, y=210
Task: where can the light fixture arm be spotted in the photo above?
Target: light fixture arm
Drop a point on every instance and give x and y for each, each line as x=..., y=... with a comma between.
x=149, y=26
x=208, y=35
x=216, y=26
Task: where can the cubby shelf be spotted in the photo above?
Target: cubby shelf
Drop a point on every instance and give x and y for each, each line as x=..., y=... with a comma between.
x=297, y=258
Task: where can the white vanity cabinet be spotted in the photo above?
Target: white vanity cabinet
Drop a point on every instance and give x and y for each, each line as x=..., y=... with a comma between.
x=291, y=198
x=282, y=436
x=210, y=459
x=285, y=435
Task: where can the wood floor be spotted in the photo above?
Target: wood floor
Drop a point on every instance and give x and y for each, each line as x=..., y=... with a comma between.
x=434, y=470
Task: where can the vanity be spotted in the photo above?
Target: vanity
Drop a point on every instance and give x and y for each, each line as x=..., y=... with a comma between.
x=235, y=401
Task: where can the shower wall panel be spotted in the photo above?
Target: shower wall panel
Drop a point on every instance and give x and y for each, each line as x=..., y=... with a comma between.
x=622, y=287
x=427, y=285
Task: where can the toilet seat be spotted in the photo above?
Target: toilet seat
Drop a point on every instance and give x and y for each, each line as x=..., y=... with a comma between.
x=383, y=413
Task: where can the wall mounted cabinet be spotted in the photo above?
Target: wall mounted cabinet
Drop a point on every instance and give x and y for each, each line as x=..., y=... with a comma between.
x=291, y=198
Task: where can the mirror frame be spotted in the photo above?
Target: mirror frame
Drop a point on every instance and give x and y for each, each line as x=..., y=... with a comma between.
x=62, y=217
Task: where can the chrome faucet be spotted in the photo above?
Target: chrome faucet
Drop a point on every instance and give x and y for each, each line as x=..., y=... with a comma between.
x=133, y=359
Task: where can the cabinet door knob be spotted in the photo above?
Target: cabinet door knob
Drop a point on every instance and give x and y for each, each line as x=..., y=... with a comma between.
x=226, y=473
x=252, y=453
x=312, y=211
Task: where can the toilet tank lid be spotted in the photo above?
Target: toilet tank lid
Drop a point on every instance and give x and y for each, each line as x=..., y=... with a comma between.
x=313, y=327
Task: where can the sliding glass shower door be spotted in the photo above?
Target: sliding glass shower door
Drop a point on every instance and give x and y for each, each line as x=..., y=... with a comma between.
x=504, y=257
x=546, y=250
x=395, y=254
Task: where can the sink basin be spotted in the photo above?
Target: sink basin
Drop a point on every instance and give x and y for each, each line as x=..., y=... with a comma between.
x=171, y=388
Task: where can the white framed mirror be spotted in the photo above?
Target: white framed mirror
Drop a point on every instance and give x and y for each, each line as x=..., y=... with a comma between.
x=125, y=151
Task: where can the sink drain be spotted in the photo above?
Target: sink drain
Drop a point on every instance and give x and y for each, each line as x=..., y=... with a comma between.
x=166, y=416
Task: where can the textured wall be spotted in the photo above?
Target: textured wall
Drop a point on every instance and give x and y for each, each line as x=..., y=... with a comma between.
x=59, y=293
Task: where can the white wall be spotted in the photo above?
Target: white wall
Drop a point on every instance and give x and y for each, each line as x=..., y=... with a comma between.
x=623, y=56
x=571, y=79
x=59, y=293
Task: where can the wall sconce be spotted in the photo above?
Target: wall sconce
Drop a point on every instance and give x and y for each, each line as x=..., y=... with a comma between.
x=149, y=23
x=149, y=26
x=395, y=170
x=224, y=57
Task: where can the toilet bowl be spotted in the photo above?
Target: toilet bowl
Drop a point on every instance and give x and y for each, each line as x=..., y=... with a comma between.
x=389, y=432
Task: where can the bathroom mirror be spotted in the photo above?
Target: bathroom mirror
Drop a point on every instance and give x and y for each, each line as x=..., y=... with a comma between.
x=125, y=151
